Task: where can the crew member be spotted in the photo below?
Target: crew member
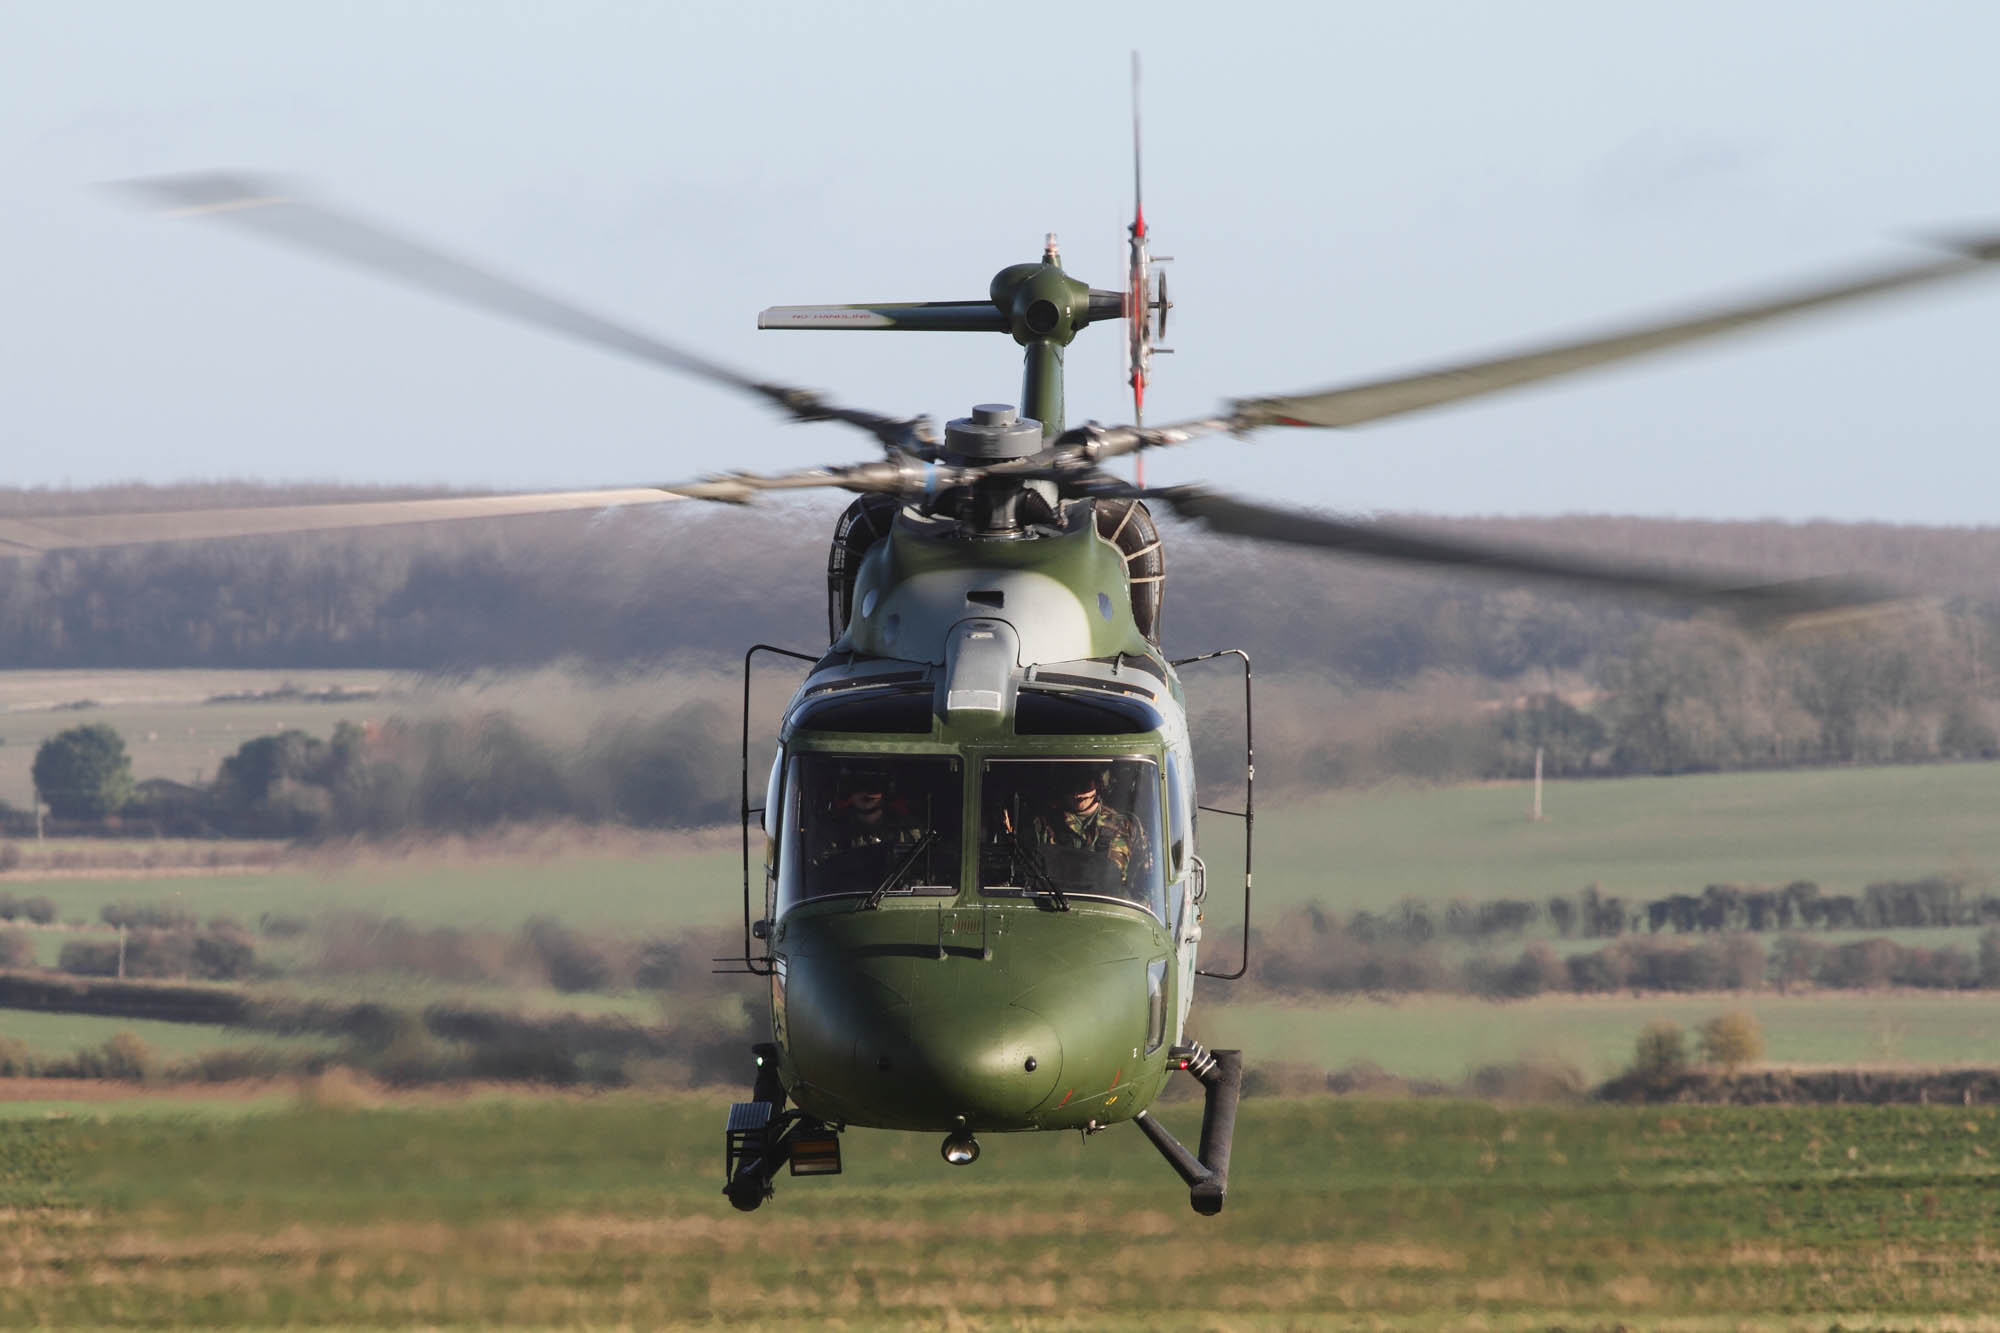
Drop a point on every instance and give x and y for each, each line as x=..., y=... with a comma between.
x=865, y=813
x=1076, y=817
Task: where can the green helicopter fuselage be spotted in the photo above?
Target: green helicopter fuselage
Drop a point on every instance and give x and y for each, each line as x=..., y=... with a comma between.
x=962, y=949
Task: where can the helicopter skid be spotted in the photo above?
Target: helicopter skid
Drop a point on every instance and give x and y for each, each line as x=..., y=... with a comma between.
x=1207, y=1175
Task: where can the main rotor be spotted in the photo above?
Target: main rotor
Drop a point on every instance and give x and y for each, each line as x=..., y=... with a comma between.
x=996, y=470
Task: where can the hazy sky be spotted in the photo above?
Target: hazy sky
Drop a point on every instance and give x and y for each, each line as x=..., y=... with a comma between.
x=1349, y=190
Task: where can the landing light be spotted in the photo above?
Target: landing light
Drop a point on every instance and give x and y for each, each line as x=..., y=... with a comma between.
x=961, y=1149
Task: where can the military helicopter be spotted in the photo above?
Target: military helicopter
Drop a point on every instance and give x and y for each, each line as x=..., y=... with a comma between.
x=982, y=894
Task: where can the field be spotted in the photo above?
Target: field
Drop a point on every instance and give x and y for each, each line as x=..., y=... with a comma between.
x=170, y=728
x=1445, y=1036
x=605, y=1212
x=647, y=884
x=263, y=1205
x=1634, y=837
x=61, y=1034
x=1844, y=828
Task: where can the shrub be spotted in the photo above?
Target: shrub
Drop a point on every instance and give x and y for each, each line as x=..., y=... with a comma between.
x=16, y=1060
x=572, y=963
x=148, y=953
x=665, y=964
x=1743, y=964
x=282, y=925
x=1538, y=969
x=124, y=1057
x=1989, y=957
x=89, y=958
x=127, y=1057
x=362, y=942
x=1660, y=1057
x=146, y=916
x=1529, y=1080
x=38, y=910
x=17, y=948
x=84, y=773
x=1731, y=1040
x=222, y=955
x=1796, y=961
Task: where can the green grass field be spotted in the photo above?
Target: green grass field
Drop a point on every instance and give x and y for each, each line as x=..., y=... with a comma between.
x=1640, y=837
x=603, y=1212
x=63, y=1034
x=1446, y=1037
x=1637, y=837
x=693, y=887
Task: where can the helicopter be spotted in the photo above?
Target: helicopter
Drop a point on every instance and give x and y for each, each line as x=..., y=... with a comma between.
x=982, y=895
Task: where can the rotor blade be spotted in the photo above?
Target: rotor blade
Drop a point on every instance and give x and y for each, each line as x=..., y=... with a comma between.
x=268, y=210
x=891, y=477
x=923, y=316
x=1758, y=603
x=1353, y=404
x=36, y=536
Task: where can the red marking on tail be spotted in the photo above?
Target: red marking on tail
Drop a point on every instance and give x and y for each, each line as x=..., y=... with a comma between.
x=1065, y=1101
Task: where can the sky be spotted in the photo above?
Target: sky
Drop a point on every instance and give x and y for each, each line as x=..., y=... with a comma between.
x=1347, y=191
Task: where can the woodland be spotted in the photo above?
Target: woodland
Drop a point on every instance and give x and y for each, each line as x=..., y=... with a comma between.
x=1377, y=673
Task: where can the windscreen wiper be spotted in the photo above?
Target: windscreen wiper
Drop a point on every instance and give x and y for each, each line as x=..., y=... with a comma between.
x=1038, y=877
x=895, y=877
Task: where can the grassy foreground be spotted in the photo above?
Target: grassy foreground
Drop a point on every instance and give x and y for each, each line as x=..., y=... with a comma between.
x=604, y=1212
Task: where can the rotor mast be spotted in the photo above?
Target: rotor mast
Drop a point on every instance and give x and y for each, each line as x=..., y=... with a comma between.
x=1042, y=307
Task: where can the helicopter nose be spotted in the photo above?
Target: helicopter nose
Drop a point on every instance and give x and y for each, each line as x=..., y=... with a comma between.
x=983, y=1065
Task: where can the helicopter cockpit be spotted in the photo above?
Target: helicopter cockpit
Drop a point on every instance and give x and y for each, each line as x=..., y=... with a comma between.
x=871, y=825
x=1051, y=829
x=1083, y=827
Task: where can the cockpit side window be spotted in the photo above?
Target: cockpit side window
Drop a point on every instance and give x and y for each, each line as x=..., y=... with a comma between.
x=1085, y=826
x=866, y=824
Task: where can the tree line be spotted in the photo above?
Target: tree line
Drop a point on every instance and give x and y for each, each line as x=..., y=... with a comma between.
x=1309, y=952
x=440, y=774
x=1930, y=901
x=1502, y=670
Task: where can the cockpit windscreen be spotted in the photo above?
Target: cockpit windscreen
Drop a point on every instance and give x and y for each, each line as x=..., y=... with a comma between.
x=1051, y=828
x=869, y=824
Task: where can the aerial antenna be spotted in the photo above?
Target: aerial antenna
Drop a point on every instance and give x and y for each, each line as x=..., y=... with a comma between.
x=1140, y=297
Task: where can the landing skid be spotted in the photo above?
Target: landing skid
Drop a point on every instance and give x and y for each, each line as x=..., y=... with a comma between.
x=762, y=1137
x=1207, y=1175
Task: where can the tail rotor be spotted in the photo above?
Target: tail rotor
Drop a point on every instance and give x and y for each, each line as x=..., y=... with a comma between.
x=1145, y=292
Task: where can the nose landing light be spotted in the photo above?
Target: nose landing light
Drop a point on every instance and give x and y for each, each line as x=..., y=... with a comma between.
x=960, y=1148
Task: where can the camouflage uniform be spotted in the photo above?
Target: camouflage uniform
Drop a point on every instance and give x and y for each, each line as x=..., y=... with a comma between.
x=1106, y=831
x=844, y=830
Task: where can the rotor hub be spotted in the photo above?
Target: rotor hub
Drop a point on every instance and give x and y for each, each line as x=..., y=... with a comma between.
x=993, y=433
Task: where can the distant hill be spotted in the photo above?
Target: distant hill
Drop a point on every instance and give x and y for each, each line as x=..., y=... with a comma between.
x=1659, y=692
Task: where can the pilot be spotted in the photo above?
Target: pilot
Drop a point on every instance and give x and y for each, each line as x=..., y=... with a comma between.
x=1076, y=817
x=865, y=813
